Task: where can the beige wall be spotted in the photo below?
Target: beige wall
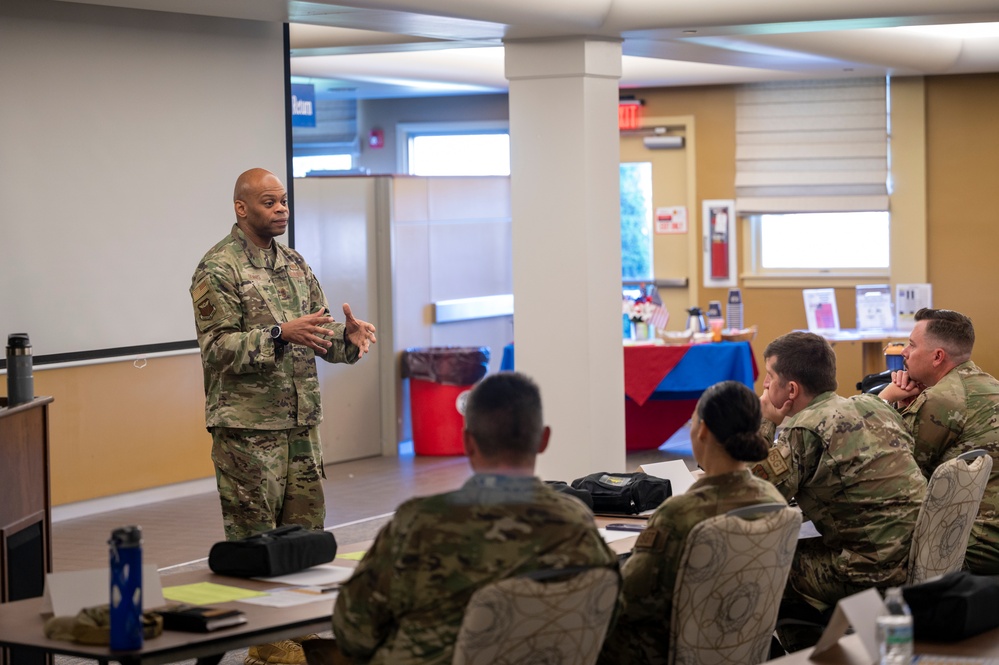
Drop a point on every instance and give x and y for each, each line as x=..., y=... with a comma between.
x=119, y=426
x=962, y=155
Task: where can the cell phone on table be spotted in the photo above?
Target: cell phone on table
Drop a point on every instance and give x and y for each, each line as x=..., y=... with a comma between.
x=622, y=526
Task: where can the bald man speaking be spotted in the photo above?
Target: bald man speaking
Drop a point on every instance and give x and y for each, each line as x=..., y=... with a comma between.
x=262, y=319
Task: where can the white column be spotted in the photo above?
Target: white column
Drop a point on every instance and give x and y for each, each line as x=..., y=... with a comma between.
x=567, y=245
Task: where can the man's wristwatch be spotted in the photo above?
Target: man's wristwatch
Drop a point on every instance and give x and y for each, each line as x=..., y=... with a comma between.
x=276, y=335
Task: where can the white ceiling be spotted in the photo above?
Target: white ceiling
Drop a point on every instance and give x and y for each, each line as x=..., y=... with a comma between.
x=392, y=48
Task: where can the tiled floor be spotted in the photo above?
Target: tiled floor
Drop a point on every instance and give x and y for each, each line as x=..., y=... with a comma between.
x=359, y=496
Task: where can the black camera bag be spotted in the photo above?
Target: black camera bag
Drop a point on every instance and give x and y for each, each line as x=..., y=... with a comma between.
x=286, y=549
x=953, y=606
x=624, y=493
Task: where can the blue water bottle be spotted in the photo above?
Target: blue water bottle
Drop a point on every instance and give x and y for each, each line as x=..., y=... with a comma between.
x=126, y=588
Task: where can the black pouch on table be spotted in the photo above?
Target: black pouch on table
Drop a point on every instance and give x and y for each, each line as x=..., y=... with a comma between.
x=624, y=493
x=566, y=488
x=286, y=549
x=953, y=606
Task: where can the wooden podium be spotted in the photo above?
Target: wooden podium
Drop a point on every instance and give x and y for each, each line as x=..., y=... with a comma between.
x=25, y=508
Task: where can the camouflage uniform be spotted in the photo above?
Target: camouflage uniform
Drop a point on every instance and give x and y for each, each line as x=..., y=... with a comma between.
x=262, y=399
x=958, y=414
x=849, y=465
x=641, y=635
x=404, y=604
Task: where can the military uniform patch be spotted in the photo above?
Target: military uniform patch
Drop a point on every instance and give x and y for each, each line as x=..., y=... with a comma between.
x=776, y=461
x=647, y=539
x=200, y=290
x=206, y=309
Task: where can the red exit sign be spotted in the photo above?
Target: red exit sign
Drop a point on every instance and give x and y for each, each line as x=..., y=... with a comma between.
x=629, y=114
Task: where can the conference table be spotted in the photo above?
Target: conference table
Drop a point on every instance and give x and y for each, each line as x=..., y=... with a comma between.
x=662, y=383
x=872, y=343
x=22, y=625
x=850, y=651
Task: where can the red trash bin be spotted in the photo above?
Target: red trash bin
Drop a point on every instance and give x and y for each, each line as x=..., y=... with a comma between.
x=440, y=379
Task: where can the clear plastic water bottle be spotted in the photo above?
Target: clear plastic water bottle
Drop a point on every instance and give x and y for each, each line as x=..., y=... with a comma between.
x=126, y=588
x=895, y=630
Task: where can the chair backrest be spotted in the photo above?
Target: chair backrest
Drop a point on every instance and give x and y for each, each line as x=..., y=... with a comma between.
x=953, y=497
x=729, y=584
x=526, y=620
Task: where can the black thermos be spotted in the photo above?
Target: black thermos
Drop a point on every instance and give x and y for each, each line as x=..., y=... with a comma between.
x=20, y=380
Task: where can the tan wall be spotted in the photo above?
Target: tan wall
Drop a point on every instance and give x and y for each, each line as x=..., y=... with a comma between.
x=117, y=428
x=962, y=154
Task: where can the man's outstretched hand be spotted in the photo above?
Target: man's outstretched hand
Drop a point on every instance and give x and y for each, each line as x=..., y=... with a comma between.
x=309, y=331
x=360, y=333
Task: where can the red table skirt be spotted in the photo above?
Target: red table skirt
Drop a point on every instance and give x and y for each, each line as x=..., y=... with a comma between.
x=646, y=425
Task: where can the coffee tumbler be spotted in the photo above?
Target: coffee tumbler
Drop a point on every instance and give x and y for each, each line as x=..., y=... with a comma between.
x=20, y=380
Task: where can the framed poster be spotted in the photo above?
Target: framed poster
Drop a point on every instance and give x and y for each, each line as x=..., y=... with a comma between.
x=719, y=243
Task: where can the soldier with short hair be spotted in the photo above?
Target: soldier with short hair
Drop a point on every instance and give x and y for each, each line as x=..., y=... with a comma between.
x=262, y=318
x=951, y=406
x=405, y=602
x=848, y=463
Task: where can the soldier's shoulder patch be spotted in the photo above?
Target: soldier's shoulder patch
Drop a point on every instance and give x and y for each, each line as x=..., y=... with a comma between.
x=776, y=461
x=200, y=290
x=650, y=539
x=207, y=308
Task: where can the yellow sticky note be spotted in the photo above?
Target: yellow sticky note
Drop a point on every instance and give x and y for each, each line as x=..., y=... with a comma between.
x=356, y=556
x=207, y=593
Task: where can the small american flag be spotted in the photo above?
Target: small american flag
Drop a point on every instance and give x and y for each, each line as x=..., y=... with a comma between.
x=659, y=318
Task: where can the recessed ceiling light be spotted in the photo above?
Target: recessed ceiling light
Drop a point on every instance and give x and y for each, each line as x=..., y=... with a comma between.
x=690, y=32
x=955, y=30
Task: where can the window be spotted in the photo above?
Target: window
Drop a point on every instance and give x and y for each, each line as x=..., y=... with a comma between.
x=459, y=154
x=636, y=221
x=812, y=176
x=302, y=166
x=454, y=149
x=847, y=243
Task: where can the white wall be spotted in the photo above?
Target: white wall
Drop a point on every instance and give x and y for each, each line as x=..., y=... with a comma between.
x=121, y=135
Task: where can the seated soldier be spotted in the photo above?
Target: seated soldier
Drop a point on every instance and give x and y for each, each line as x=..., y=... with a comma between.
x=405, y=602
x=848, y=463
x=724, y=436
x=951, y=406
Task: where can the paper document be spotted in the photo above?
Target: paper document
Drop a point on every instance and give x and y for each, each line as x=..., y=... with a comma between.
x=322, y=575
x=859, y=611
x=874, y=310
x=611, y=536
x=820, y=309
x=69, y=592
x=675, y=471
x=910, y=298
x=353, y=556
x=207, y=593
x=290, y=597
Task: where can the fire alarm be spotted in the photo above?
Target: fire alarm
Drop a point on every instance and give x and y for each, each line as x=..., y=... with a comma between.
x=376, y=139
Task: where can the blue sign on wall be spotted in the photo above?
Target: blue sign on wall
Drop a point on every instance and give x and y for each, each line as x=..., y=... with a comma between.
x=303, y=105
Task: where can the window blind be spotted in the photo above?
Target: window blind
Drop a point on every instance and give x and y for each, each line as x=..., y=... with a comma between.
x=812, y=146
